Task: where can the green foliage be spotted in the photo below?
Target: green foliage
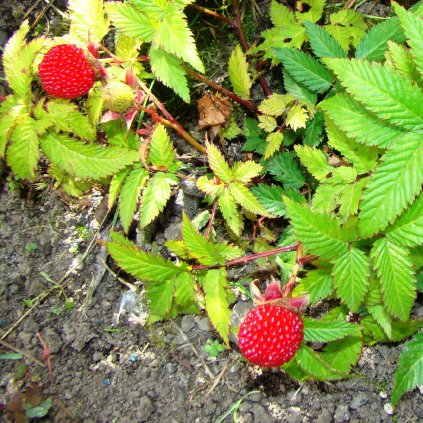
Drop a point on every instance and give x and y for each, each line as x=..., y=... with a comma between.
x=238, y=73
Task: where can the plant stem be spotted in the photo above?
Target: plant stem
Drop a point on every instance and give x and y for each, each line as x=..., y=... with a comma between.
x=245, y=259
x=212, y=13
x=210, y=224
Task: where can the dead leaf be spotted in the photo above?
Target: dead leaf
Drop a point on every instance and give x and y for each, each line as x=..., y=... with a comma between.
x=214, y=111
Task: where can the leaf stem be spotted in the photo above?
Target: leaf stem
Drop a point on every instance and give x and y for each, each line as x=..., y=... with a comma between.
x=210, y=224
x=212, y=13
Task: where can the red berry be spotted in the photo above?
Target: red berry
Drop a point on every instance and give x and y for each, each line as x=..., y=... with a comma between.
x=270, y=335
x=65, y=72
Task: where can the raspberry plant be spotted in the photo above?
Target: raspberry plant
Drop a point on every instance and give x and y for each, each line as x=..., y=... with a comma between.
x=339, y=152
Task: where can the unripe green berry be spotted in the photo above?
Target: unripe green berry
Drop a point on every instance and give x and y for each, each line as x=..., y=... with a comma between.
x=117, y=97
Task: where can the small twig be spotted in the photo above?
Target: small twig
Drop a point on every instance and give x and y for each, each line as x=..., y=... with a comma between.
x=210, y=224
x=212, y=13
x=218, y=378
x=19, y=351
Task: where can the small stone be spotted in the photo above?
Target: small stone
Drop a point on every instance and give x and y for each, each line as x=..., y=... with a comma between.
x=359, y=400
x=383, y=394
x=53, y=341
x=187, y=323
x=342, y=414
x=260, y=414
x=325, y=416
x=204, y=324
x=294, y=415
x=98, y=356
x=145, y=409
x=389, y=409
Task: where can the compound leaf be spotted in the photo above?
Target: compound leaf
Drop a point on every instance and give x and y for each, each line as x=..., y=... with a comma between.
x=160, y=299
x=245, y=171
x=243, y=196
x=218, y=164
x=238, y=73
x=323, y=331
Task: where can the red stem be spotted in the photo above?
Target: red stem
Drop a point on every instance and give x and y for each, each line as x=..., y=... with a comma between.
x=212, y=13
x=210, y=225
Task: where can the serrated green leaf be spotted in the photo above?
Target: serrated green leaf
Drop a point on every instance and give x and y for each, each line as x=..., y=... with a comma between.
x=94, y=105
x=267, y=123
x=218, y=164
x=243, y=196
x=395, y=271
x=318, y=283
x=374, y=44
x=87, y=20
x=409, y=373
x=382, y=318
x=322, y=43
x=185, y=295
x=115, y=186
x=131, y=21
x=23, y=150
x=245, y=171
x=160, y=299
x=229, y=251
x=209, y=186
x=130, y=194
x=351, y=272
x=305, y=69
x=126, y=47
x=403, y=330
x=311, y=362
x=314, y=160
x=14, y=46
x=162, y=154
x=275, y=104
x=314, y=13
x=7, y=124
x=217, y=306
x=87, y=161
x=322, y=331
x=270, y=196
x=296, y=117
x=343, y=354
x=299, y=91
x=142, y=265
x=238, y=73
x=382, y=91
x=274, y=142
x=155, y=196
x=350, y=198
x=314, y=130
x=280, y=15
x=167, y=69
x=326, y=197
x=400, y=58
x=285, y=169
x=229, y=211
x=319, y=233
x=407, y=231
x=357, y=122
x=392, y=186
x=413, y=29
x=232, y=130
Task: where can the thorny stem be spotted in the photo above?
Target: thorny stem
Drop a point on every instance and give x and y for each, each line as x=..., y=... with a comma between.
x=210, y=225
x=245, y=259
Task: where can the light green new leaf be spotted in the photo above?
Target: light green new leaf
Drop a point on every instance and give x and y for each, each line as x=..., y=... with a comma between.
x=209, y=186
x=86, y=161
x=280, y=15
x=326, y=196
x=274, y=142
x=396, y=274
x=296, y=117
x=314, y=160
x=243, y=196
x=131, y=21
x=351, y=272
x=409, y=373
x=322, y=331
x=322, y=43
x=275, y=104
x=155, y=196
x=115, y=186
x=142, y=265
x=393, y=186
x=175, y=37
x=245, y=171
x=318, y=283
x=162, y=154
x=314, y=13
x=14, y=46
x=228, y=208
x=160, y=299
x=12, y=110
x=413, y=29
x=218, y=164
x=319, y=233
x=23, y=150
x=267, y=123
x=343, y=354
x=285, y=169
x=238, y=73
x=305, y=69
x=382, y=91
x=374, y=44
x=130, y=194
x=185, y=295
x=217, y=306
x=357, y=122
x=87, y=20
x=407, y=231
x=167, y=69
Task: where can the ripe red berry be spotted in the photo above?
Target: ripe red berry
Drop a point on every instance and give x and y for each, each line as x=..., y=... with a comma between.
x=65, y=72
x=270, y=335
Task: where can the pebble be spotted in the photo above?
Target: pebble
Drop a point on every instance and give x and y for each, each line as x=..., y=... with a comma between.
x=145, y=409
x=359, y=400
x=187, y=323
x=204, y=323
x=98, y=356
x=325, y=416
x=389, y=409
x=342, y=414
x=383, y=394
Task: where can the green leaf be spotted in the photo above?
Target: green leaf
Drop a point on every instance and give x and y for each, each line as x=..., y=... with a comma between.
x=86, y=161
x=407, y=231
x=351, y=272
x=409, y=373
x=229, y=211
x=167, y=69
x=314, y=160
x=275, y=104
x=382, y=318
x=321, y=331
x=392, y=186
x=311, y=362
x=314, y=12
x=319, y=233
x=131, y=21
x=217, y=306
x=142, y=265
x=198, y=245
x=322, y=43
x=87, y=20
x=403, y=330
x=155, y=196
x=11, y=356
x=160, y=299
x=130, y=194
x=296, y=117
x=413, y=28
x=343, y=354
x=280, y=15
x=238, y=73
x=209, y=186
x=270, y=196
x=357, y=122
x=285, y=169
x=318, y=283
x=400, y=58
x=395, y=271
x=10, y=111
x=243, y=196
x=162, y=154
x=304, y=69
x=245, y=171
x=382, y=91
x=299, y=91
x=374, y=44
x=115, y=186
x=314, y=130
x=185, y=295
x=350, y=198
x=14, y=46
x=23, y=151
x=218, y=164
